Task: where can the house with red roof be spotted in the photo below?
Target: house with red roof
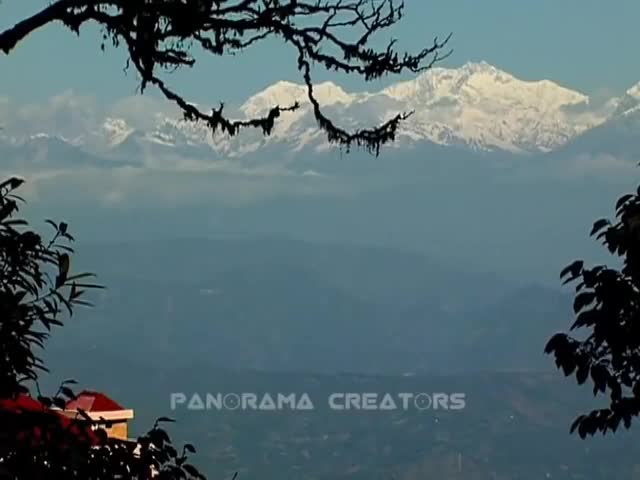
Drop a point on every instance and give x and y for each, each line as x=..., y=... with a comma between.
x=107, y=413
x=32, y=409
x=42, y=424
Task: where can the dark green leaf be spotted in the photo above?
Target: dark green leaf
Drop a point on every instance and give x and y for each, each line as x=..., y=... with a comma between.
x=599, y=225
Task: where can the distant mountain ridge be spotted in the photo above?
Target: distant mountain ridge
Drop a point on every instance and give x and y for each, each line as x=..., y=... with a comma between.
x=288, y=305
x=476, y=106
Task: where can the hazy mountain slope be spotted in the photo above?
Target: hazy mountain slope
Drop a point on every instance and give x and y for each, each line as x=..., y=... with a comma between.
x=285, y=305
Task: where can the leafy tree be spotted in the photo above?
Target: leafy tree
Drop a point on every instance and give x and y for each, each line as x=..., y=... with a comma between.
x=161, y=34
x=607, y=307
x=37, y=287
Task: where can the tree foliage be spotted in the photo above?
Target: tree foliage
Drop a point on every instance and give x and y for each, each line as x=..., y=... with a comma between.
x=161, y=35
x=37, y=288
x=607, y=308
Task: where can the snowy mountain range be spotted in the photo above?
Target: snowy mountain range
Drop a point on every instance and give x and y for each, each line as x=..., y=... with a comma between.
x=476, y=106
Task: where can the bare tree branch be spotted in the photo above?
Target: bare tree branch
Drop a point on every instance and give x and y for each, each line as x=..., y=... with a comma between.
x=160, y=34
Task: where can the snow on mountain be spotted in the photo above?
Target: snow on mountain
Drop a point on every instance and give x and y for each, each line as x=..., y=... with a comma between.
x=287, y=93
x=631, y=103
x=618, y=136
x=39, y=150
x=481, y=105
x=476, y=106
x=293, y=130
x=634, y=91
x=115, y=130
x=625, y=104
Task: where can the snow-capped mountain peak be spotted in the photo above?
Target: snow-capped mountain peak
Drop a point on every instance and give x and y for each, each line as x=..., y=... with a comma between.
x=626, y=104
x=478, y=80
x=634, y=91
x=281, y=93
x=476, y=105
x=285, y=94
x=115, y=130
x=484, y=107
x=445, y=81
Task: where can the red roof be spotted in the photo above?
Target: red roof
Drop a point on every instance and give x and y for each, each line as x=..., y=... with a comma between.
x=90, y=401
x=22, y=404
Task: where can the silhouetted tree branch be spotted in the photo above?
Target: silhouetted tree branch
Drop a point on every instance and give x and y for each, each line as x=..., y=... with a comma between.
x=160, y=35
x=607, y=307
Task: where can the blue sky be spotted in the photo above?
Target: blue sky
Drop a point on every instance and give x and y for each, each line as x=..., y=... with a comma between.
x=589, y=45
